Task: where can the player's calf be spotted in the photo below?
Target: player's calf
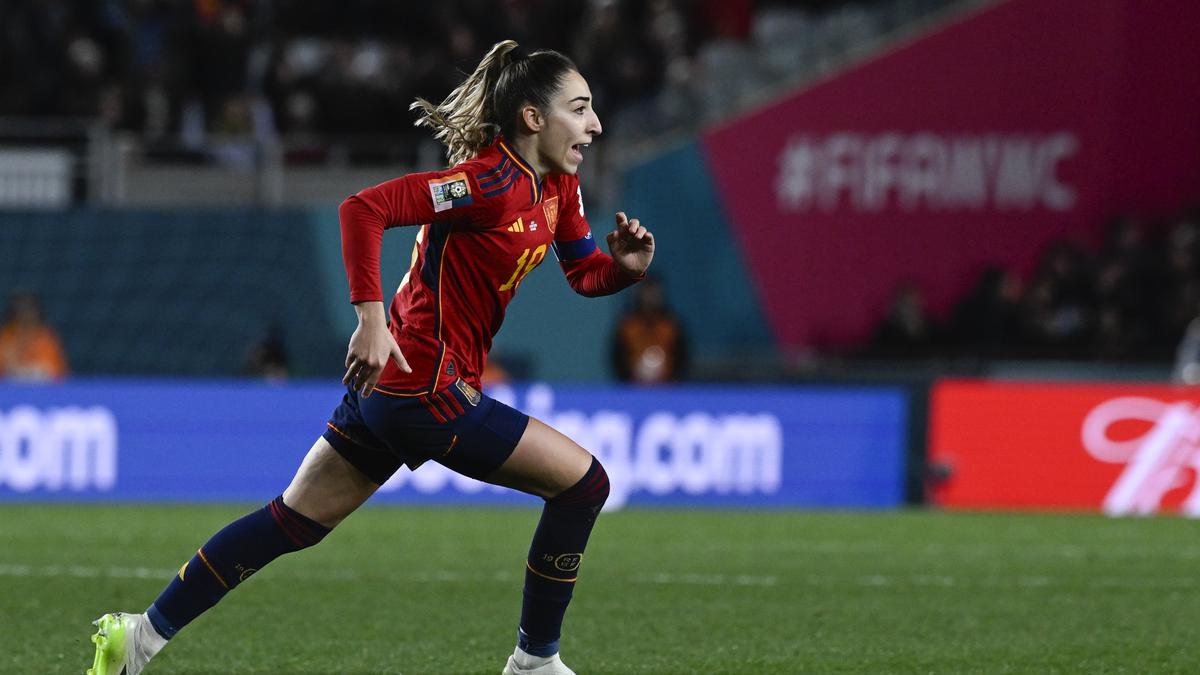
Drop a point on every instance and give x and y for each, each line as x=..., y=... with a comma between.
x=229, y=558
x=554, y=559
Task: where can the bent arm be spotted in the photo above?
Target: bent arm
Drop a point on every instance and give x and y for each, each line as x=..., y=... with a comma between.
x=597, y=274
x=362, y=238
x=414, y=199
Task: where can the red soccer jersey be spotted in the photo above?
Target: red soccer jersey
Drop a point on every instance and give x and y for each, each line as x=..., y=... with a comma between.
x=485, y=224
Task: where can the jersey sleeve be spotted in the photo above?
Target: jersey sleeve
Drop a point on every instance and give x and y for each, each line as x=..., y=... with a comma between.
x=418, y=198
x=590, y=271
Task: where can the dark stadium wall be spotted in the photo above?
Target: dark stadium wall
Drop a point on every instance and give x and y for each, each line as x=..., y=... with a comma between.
x=190, y=292
x=180, y=292
x=976, y=144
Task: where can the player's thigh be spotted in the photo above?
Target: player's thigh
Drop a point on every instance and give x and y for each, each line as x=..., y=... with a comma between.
x=499, y=444
x=544, y=462
x=327, y=488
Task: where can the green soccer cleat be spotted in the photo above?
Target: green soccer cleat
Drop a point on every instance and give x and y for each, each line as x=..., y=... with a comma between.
x=117, y=648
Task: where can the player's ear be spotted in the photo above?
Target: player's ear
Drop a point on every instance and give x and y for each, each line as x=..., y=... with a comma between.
x=532, y=118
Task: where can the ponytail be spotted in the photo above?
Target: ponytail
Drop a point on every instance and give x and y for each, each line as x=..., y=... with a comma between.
x=487, y=103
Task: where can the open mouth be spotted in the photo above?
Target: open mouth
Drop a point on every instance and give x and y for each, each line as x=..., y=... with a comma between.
x=577, y=151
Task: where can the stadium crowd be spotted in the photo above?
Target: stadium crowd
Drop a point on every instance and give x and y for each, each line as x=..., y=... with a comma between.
x=171, y=69
x=183, y=70
x=1130, y=299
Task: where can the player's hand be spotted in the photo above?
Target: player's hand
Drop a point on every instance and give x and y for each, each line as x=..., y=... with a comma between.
x=370, y=348
x=631, y=246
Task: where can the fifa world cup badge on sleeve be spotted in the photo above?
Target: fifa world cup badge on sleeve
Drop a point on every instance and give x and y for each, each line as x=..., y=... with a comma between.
x=450, y=191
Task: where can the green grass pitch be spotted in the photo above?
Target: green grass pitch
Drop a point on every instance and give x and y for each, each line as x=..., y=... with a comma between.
x=437, y=590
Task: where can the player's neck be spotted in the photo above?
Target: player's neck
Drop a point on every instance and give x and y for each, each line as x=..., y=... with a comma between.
x=526, y=147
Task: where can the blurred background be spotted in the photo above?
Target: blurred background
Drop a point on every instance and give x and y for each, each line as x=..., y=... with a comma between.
x=859, y=207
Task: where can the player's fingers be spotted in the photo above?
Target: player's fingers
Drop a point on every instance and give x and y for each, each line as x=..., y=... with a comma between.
x=368, y=382
x=398, y=357
x=612, y=237
x=621, y=219
x=351, y=372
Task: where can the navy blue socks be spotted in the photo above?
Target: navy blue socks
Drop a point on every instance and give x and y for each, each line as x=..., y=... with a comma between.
x=554, y=557
x=247, y=545
x=230, y=557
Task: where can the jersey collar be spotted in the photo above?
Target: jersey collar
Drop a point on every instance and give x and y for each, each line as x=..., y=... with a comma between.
x=517, y=159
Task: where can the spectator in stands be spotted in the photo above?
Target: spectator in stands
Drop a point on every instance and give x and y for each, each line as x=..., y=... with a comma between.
x=268, y=357
x=1177, y=294
x=907, y=330
x=1059, y=308
x=987, y=322
x=1187, y=353
x=649, y=345
x=29, y=348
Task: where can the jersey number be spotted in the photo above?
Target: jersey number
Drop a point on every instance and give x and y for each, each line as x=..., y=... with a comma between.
x=525, y=265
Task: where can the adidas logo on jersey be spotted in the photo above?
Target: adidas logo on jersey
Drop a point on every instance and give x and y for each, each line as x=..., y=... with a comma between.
x=519, y=226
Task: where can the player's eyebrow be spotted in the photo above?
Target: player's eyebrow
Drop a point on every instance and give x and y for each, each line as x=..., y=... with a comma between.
x=585, y=99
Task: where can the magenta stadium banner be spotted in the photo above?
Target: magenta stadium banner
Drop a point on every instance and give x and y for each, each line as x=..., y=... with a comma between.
x=978, y=143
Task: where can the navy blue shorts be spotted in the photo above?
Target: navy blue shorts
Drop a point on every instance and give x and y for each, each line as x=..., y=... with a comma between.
x=457, y=426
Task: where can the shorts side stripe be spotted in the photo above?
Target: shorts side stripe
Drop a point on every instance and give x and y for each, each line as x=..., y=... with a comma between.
x=454, y=405
x=436, y=399
x=437, y=415
x=339, y=432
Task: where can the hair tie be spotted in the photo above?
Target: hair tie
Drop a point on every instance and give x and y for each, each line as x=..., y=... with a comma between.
x=517, y=54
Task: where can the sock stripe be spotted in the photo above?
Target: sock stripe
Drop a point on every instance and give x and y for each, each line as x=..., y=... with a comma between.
x=547, y=576
x=571, y=493
x=215, y=573
x=295, y=529
x=277, y=514
x=586, y=491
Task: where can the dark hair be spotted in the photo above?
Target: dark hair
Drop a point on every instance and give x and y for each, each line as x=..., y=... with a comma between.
x=488, y=101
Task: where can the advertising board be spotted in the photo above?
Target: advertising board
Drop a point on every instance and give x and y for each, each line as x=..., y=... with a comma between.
x=686, y=446
x=1122, y=449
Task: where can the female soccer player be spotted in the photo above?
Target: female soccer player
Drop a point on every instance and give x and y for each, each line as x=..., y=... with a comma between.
x=515, y=131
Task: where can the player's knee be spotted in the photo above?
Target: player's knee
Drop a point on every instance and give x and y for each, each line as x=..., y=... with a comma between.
x=603, y=489
x=589, y=493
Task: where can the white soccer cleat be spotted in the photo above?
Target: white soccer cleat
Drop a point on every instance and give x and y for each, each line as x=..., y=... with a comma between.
x=522, y=663
x=124, y=644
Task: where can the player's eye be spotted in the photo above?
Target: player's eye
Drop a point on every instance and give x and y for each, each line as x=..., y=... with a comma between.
x=579, y=111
